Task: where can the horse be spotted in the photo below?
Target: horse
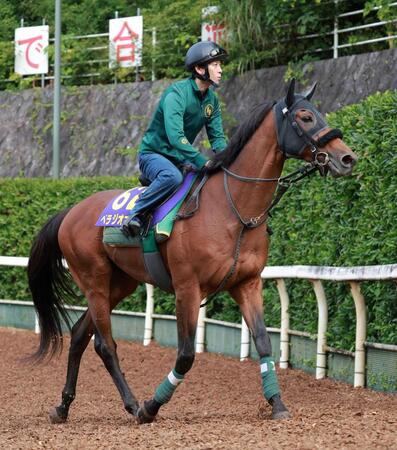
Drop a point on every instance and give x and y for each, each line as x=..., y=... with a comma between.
x=223, y=246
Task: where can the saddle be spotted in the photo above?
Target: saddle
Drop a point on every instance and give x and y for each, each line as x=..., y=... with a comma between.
x=161, y=219
x=158, y=226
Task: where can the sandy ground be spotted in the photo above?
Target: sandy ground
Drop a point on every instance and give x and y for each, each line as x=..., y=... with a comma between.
x=219, y=405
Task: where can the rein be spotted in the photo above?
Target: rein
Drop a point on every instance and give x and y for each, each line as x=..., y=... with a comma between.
x=283, y=184
x=320, y=161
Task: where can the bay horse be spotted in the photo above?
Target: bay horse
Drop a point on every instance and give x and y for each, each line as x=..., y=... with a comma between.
x=224, y=244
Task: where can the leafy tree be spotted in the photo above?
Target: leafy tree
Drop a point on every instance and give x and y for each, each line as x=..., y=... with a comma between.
x=178, y=26
x=385, y=12
x=259, y=34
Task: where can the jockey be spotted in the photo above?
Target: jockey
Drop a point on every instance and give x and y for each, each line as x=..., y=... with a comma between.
x=184, y=109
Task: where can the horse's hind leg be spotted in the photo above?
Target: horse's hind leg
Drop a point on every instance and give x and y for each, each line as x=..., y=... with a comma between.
x=100, y=308
x=248, y=295
x=106, y=349
x=187, y=309
x=82, y=331
x=81, y=335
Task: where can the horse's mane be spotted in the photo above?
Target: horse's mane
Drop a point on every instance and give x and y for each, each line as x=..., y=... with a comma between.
x=240, y=138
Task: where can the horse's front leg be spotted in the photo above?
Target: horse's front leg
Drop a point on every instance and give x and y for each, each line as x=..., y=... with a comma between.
x=187, y=309
x=248, y=295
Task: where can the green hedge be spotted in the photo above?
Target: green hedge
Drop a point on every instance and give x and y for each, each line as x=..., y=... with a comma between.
x=323, y=221
x=346, y=222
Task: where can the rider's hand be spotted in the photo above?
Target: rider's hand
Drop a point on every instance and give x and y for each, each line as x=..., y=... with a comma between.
x=186, y=167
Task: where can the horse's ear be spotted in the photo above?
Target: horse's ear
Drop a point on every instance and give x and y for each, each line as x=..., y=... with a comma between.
x=290, y=97
x=309, y=94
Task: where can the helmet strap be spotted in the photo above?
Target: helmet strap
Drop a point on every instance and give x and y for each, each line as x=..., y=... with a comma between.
x=205, y=77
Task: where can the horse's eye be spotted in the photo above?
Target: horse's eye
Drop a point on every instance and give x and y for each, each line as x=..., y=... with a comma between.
x=307, y=119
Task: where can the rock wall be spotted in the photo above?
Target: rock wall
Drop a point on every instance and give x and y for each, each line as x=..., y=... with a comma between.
x=101, y=126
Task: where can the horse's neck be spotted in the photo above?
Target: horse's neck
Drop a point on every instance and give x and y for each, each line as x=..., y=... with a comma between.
x=260, y=158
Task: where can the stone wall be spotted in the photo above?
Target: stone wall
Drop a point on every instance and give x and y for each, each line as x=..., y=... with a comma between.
x=101, y=126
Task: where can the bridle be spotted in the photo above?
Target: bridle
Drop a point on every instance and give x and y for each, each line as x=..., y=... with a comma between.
x=320, y=161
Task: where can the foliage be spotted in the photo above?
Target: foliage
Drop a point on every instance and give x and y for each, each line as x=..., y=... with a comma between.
x=266, y=34
x=346, y=222
x=259, y=34
x=26, y=204
x=177, y=28
x=343, y=222
x=385, y=12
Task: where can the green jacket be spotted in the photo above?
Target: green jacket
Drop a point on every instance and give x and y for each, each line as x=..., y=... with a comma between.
x=180, y=115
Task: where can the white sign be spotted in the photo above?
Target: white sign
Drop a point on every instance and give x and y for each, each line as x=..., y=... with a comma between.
x=31, y=55
x=212, y=32
x=125, y=42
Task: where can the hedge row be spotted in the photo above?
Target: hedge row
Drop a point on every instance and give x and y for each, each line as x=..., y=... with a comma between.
x=323, y=221
x=347, y=222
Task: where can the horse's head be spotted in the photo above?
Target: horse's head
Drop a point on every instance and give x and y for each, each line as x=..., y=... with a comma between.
x=303, y=133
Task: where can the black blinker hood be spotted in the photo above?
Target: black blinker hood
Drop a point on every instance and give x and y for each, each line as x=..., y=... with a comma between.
x=289, y=134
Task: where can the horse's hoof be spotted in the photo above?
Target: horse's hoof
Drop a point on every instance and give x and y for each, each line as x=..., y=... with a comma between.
x=281, y=415
x=143, y=416
x=132, y=409
x=55, y=417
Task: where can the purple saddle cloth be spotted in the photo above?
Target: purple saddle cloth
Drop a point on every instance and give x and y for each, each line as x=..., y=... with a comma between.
x=119, y=208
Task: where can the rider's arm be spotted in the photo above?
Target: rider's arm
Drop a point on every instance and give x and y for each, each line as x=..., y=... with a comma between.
x=214, y=129
x=174, y=108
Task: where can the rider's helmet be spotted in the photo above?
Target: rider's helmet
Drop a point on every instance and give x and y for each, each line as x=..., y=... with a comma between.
x=201, y=54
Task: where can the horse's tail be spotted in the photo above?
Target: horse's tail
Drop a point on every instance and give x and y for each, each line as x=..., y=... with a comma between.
x=49, y=285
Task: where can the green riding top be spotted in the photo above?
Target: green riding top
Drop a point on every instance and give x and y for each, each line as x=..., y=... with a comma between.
x=181, y=114
x=185, y=108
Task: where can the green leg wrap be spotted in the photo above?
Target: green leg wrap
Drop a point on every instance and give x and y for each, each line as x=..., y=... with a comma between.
x=164, y=392
x=269, y=377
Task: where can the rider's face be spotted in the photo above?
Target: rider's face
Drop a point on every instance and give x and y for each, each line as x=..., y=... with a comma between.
x=215, y=71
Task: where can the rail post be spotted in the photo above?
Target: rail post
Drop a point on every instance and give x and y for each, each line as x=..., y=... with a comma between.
x=284, y=330
x=321, y=359
x=336, y=35
x=361, y=333
x=154, y=43
x=245, y=341
x=148, y=332
x=200, y=335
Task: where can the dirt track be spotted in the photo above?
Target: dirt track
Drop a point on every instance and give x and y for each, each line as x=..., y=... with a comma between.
x=219, y=405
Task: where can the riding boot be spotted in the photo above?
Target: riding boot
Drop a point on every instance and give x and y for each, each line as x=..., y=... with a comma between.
x=132, y=226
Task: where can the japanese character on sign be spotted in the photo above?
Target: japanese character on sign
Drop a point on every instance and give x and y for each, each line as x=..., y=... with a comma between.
x=31, y=55
x=125, y=42
x=125, y=50
x=212, y=32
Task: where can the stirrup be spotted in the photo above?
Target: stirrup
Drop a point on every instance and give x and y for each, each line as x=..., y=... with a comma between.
x=132, y=226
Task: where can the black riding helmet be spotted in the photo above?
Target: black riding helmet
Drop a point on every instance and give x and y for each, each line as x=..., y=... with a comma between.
x=201, y=54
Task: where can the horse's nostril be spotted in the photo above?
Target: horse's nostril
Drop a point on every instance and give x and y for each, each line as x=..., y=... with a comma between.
x=348, y=161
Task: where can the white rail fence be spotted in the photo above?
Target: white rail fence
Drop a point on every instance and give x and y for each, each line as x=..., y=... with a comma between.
x=340, y=31
x=315, y=274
